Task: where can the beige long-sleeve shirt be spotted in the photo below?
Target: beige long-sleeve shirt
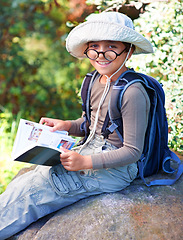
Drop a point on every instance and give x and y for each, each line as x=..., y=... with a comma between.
x=135, y=110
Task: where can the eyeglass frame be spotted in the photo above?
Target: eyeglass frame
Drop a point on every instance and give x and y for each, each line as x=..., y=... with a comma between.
x=117, y=54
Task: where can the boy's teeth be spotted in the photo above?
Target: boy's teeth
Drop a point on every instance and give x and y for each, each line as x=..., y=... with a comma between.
x=103, y=63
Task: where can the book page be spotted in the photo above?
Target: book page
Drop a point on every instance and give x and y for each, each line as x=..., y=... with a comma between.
x=31, y=134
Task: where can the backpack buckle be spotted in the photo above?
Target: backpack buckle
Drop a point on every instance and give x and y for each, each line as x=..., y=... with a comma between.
x=109, y=130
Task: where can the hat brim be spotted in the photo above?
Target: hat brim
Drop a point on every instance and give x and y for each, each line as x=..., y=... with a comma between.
x=76, y=42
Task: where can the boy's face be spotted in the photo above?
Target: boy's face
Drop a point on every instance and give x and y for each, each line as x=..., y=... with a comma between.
x=104, y=65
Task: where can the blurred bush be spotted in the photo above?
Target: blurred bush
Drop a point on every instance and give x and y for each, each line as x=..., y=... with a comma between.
x=38, y=76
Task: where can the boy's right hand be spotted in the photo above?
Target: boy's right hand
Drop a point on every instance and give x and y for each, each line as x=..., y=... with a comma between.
x=56, y=124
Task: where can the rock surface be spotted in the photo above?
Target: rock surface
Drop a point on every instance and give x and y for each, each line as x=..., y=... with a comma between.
x=137, y=213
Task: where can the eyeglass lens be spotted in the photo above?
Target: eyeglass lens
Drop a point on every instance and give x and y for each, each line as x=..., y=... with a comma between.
x=108, y=55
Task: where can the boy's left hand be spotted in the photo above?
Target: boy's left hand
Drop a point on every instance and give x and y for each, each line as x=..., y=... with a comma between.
x=73, y=161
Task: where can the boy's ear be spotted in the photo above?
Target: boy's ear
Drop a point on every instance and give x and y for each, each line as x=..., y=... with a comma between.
x=131, y=52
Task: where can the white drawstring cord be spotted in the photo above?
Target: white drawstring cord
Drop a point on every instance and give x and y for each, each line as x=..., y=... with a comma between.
x=106, y=90
x=92, y=133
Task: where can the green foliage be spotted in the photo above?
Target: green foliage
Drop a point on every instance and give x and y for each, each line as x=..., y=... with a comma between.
x=8, y=168
x=37, y=75
x=174, y=106
x=8, y=128
x=104, y=5
x=7, y=177
x=162, y=25
x=8, y=171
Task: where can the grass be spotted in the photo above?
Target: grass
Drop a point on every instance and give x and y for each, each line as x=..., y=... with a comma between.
x=8, y=168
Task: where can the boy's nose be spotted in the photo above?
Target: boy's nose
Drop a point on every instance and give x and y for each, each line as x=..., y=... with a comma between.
x=101, y=51
x=101, y=54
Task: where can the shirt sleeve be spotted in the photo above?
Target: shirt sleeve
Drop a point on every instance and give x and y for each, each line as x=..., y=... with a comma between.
x=135, y=112
x=75, y=129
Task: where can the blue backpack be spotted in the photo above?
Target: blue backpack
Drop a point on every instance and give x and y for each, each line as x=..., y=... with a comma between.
x=156, y=155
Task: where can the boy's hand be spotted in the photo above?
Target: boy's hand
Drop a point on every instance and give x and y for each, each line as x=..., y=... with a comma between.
x=56, y=124
x=73, y=161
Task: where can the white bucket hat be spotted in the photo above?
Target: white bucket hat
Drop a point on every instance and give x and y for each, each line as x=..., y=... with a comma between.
x=112, y=26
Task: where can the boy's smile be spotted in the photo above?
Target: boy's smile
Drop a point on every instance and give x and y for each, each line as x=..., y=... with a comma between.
x=103, y=63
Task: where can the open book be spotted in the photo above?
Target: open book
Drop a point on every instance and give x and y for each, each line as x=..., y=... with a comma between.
x=35, y=143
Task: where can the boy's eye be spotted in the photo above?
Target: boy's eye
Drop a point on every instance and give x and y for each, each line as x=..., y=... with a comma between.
x=107, y=46
x=93, y=46
x=112, y=46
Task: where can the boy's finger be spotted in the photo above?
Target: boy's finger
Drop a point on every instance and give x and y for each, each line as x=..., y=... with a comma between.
x=53, y=129
x=64, y=149
x=64, y=155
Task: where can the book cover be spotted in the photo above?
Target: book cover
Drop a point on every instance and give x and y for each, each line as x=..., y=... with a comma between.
x=35, y=143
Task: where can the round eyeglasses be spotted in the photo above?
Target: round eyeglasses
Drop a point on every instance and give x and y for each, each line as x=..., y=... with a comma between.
x=109, y=55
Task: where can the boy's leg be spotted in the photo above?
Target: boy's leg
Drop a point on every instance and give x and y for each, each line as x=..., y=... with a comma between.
x=45, y=190
x=32, y=196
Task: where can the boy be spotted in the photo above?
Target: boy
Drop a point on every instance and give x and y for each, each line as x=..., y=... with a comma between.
x=100, y=165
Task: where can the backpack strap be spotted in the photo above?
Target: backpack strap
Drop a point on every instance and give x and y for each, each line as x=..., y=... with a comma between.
x=123, y=82
x=113, y=113
x=165, y=167
x=85, y=96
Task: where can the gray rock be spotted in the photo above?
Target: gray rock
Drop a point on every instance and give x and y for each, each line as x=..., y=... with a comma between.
x=137, y=212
